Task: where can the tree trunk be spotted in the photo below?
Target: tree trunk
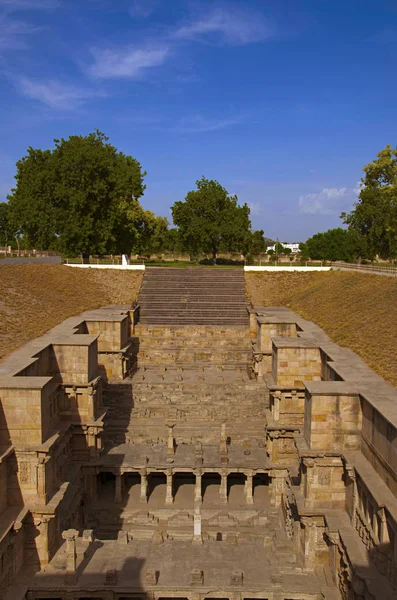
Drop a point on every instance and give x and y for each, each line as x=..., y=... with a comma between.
x=86, y=259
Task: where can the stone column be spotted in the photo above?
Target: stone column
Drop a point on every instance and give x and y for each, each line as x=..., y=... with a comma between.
x=197, y=536
x=276, y=406
x=170, y=445
x=351, y=474
x=91, y=403
x=384, y=532
x=223, y=488
x=42, y=545
x=277, y=487
x=118, y=489
x=249, y=497
x=310, y=539
x=198, y=453
x=169, y=498
x=197, y=490
x=91, y=439
x=41, y=479
x=70, y=535
x=143, y=497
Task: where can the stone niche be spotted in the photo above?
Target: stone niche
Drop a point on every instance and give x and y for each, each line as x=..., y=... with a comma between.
x=295, y=361
x=333, y=416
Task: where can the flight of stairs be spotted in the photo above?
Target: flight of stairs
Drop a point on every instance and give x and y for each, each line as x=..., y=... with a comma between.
x=193, y=296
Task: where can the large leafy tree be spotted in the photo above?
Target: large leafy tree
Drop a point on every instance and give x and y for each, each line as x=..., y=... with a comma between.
x=374, y=216
x=210, y=220
x=7, y=231
x=75, y=197
x=334, y=244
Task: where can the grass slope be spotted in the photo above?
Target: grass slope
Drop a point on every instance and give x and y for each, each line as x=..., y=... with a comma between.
x=36, y=297
x=356, y=310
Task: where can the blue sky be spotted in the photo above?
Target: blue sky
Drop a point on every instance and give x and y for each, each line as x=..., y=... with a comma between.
x=282, y=101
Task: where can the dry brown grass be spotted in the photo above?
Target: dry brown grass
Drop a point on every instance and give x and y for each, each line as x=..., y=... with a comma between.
x=36, y=297
x=356, y=310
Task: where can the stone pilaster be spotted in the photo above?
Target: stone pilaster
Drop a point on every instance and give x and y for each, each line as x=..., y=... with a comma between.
x=70, y=535
x=223, y=487
x=144, y=482
x=277, y=487
x=169, y=497
x=249, y=496
x=197, y=490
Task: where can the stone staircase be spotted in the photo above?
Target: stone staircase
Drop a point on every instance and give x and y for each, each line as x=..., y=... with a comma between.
x=193, y=296
x=195, y=376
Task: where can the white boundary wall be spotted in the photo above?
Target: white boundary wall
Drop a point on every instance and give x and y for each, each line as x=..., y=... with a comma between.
x=119, y=267
x=291, y=268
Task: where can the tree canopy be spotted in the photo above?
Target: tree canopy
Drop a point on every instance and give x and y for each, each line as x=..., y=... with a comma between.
x=79, y=198
x=209, y=220
x=6, y=230
x=374, y=217
x=334, y=244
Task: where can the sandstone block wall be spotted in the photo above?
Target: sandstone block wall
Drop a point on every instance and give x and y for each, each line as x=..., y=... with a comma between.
x=333, y=417
x=293, y=365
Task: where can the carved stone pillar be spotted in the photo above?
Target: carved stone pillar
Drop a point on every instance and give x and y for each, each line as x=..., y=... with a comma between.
x=169, y=498
x=277, y=487
x=91, y=403
x=197, y=536
x=308, y=477
x=170, y=444
x=198, y=454
x=91, y=440
x=41, y=479
x=143, y=496
x=352, y=477
x=249, y=496
x=118, y=489
x=276, y=407
x=223, y=444
x=42, y=542
x=223, y=487
x=384, y=532
x=310, y=539
x=70, y=535
x=197, y=490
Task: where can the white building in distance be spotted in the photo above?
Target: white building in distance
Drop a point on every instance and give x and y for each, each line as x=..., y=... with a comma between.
x=294, y=246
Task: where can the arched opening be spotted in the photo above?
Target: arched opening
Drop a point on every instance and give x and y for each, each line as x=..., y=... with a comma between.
x=236, y=488
x=132, y=486
x=261, y=494
x=106, y=486
x=210, y=486
x=184, y=487
x=157, y=485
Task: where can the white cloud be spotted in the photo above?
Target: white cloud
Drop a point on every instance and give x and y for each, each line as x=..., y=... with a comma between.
x=231, y=25
x=142, y=9
x=15, y=5
x=126, y=63
x=255, y=209
x=12, y=33
x=199, y=124
x=55, y=94
x=325, y=202
x=359, y=186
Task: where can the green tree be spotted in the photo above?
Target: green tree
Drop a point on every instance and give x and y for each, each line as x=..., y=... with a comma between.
x=209, y=220
x=334, y=244
x=75, y=197
x=7, y=232
x=373, y=219
x=303, y=251
x=258, y=243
